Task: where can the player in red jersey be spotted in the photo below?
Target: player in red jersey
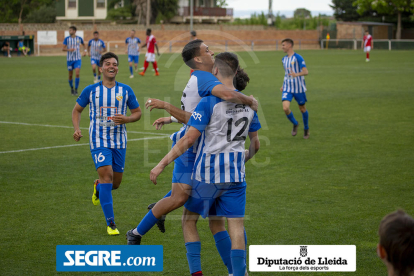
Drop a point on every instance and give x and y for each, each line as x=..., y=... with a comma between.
x=367, y=44
x=150, y=55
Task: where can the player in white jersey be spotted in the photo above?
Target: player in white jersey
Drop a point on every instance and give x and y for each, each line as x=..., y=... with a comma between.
x=294, y=85
x=219, y=168
x=71, y=44
x=108, y=102
x=95, y=49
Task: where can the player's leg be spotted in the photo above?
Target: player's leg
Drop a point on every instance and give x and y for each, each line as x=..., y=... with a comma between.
x=222, y=240
x=146, y=63
x=130, y=61
x=70, y=70
x=155, y=66
x=286, y=99
x=77, y=67
x=192, y=241
x=301, y=100
x=93, y=63
x=136, y=59
x=238, y=246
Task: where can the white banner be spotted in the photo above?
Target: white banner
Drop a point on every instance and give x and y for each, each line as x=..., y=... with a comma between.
x=78, y=33
x=302, y=258
x=47, y=37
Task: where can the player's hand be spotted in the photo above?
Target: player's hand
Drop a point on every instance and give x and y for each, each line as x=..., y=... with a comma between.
x=293, y=74
x=71, y=50
x=126, y=51
x=161, y=121
x=120, y=119
x=246, y=155
x=154, y=103
x=281, y=89
x=255, y=104
x=77, y=135
x=155, y=172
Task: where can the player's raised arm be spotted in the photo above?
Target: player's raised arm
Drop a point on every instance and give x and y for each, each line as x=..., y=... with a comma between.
x=76, y=116
x=222, y=92
x=181, y=115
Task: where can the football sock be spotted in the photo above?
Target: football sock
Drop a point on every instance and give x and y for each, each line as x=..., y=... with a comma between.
x=245, y=244
x=194, y=256
x=168, y=194
x=130, y=70
x=77, y=83
x=94, y=75
x=145, y=66
x=99, y=77
x=71, y=83
x=238, y=261
x=305, y=117
x=367, y=55
x=292, y=119
x=146, y=223
x=105, y=196
x=154, y=64
x=223, y=244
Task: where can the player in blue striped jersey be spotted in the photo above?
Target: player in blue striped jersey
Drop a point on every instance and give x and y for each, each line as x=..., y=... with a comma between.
x=71, y=44
x=294, y=85
x=220, y=164
x=132, y=43
x=108, y=102
x=96, y=47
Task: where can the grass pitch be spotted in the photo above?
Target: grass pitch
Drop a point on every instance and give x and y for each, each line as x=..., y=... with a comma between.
x=334, y=188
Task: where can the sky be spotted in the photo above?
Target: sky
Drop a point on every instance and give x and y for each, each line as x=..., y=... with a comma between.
x=243, y=8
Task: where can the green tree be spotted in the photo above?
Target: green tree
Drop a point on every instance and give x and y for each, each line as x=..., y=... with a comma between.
x=386, y=7
x=345, y=10
x=302, y=13
x=45, y=14
x=221, y=3
x=15, y=11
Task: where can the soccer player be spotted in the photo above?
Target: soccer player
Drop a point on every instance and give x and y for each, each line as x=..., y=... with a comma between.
x=95, y=49
x=396, y=244
x=294, y=85
x=108, y=101
x=367, y=44
x=151, y=43
x=71, y=44
x=219, y=165
x=6, y=47
x=132, y=50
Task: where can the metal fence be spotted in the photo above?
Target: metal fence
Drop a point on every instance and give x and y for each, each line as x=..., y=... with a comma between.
x=379, y=44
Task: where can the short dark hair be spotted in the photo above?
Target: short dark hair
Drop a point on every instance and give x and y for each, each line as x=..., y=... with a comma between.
x=193, y=33
x=106, y=56
x=73, y=28
x=227, y=63
x=133, y=31
x=396, y=233
x=240, y=79
x=288, y=40
x=190, y=51
x=148, y=30
x=95, y=32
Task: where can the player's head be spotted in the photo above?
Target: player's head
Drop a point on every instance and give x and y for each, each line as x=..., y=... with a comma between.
x=287, y=44
x=72, y=30
x=197, y=55
x=148, y=31
x=396, y=245
x=132, y=33
x=366, y=32
x=225, y=65
x=193, y=34
x=240, y=79
x=109, y=65
x=96, y=35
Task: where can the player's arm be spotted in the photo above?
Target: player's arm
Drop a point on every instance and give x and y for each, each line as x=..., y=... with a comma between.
x=65, y=47
x=76, y=116
x=89, y=49
x=182, y=145
x=181, y=115
x=156, y=47
x=120, y=119
x=254, y=145
x=222, y=92
x=145, y=45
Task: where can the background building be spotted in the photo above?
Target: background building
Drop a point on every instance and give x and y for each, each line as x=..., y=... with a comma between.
x=81, y=10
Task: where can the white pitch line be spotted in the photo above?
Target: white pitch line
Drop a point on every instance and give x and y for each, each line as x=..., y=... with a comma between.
x=76, y=145
x=129, y=131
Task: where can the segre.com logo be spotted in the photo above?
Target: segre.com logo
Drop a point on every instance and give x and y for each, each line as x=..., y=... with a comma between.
x=109, y=258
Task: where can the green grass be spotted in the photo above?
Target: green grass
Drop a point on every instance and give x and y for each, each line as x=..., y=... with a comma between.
x=331, y=189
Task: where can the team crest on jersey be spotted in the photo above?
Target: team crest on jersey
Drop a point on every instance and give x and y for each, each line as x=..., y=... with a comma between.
x=119, y=96
x=293, y=63
x=78, y=40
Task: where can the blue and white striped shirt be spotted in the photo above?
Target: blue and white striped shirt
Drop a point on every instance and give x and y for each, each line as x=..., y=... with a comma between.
x=224, y=127
x=96, y=48
x=295, y=63
x=104, y=103
x=73, y=43
x=133, y=47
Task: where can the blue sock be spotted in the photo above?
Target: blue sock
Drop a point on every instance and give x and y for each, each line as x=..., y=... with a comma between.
x=194, y=256
x=71, y=83
x=245, y=244
x=130, y=70
x=168, y=194
x=292, y=119
x=99, y=77
x=94, y=75
x=105, y=196
x=238, y=261
x=146, y=223
x=76, y=83
x=223, y=244
x=305, y=117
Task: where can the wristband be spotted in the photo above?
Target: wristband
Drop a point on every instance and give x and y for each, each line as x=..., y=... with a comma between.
x=173, y=119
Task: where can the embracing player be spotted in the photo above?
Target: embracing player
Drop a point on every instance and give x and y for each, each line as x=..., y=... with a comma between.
x=367, y=44
x=132, y=50
x=151, y=43
x=96, y=47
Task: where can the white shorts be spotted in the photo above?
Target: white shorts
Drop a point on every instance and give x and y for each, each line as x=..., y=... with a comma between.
x=367, y=49
x=150, y=57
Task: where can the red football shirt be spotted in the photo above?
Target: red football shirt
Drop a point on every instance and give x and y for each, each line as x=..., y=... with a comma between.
x=367, y=40
x=151, y=44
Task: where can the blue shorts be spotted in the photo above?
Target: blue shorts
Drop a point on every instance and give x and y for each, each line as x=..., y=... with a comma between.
x=74, y=64
x=222, y=200
x=299, y=97
x=95, y=61
x=183, y=167
x=112, y=157
x=133, y=59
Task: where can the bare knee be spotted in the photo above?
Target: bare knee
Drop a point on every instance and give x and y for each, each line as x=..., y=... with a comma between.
x=216, y=225
x=302, y=108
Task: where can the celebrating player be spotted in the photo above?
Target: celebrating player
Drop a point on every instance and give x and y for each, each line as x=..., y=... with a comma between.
x=108, y=101
x=294, y=85
x=132, y=50
x=367, y=44
x=71, y=44
x=151, y=43
x=95, y=49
